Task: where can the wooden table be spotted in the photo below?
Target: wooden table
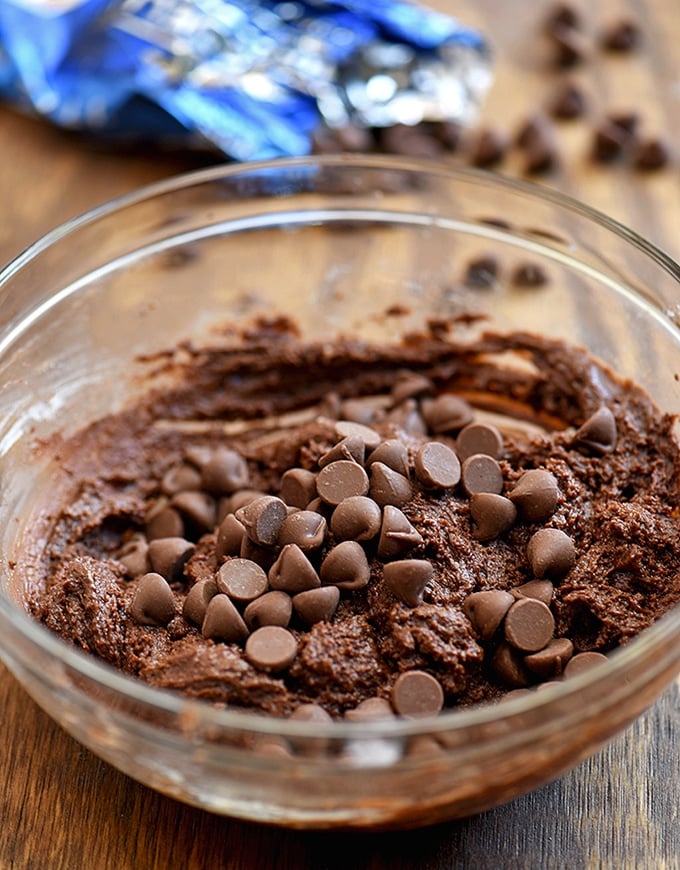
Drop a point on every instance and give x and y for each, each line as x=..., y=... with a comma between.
x=60, y=807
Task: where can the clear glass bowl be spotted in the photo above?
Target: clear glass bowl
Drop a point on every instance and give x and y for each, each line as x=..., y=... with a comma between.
x=333, y=242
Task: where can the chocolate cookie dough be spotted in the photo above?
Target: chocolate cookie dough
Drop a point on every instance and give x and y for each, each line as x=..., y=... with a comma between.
x=405, y=528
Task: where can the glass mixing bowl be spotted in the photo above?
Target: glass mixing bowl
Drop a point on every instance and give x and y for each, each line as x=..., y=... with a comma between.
x=334, y=243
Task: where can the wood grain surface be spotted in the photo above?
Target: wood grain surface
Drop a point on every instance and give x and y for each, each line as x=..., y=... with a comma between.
x=60, y=807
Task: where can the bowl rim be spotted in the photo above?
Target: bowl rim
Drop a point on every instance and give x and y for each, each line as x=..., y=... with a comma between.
x=206, y=714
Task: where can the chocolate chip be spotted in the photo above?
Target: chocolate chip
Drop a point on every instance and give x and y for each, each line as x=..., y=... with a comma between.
x=486, y=610
x=352, y=449
x=223, y=622
x=598, y=434
x=406, y=416
x=317, y=605
x=197, y=600
x=240, y=499
x=529, y=625
x=448, y=132
x=397, y=535
x=242, y=580
x=479, y=438
x=651, y=155
x=292, y=571
x=264, y=556
x=262, y=519
x=535, y=495
x=272, y=608
x=417, y=693
x=550, y=661
x=336, y=140
x=437, y=466
x=609, y=142
x=563, y=15
x=567, y=102
x=307, y=529
x=481, y=473
x=197, y=508
x=180, y=477
x=226, y=471
x=568, y=46
x=370, y=710
x=359, y=410
x=341, y=480
x=481, y=272
x=551, y=553
x=346, y=566
x=412, y=141
x=298, y=487
x=167, y=556
x=134, y=555
x=446, y=413
x=621, y=36
x=271, y=648
x=229, y=538
x=407, y=579
x=410, y=385
x=356, y=519
x=529, y=275
x=167, y=523
x=488, y=148
x=582, y=662
x=392, y=453
x=508, y=663
x=388, y=486
x=492, y=515
x=537, y=139
x=346, y=428
x=153, y=602
x=543, y=590
x=626, y=121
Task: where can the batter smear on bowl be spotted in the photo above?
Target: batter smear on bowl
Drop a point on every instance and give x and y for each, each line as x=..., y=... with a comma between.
x=345, y=530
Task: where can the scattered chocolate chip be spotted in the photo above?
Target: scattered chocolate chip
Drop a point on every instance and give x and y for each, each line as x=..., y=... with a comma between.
x=488, y=148
x=272, y=608
x=226, y=471
x=542, y=590
x=446, y=413
x=537, y=140
x=153, y=602
x=481, y=473
x=317, y=605
x=492, y=515
x=481, y=272
x=551, y=554
x=406, y=416
x=598, y=434
x=508, y=663
x=340, y=480
x=392, y=453
x=346, y=566
x=529, y=275
x=437, y=466
x=167, y=556
x=223, y=622
x=621, y=36
x=449, y=133
x=305, y=528
x=567, y=102
x=388, y=486
x=412, y=141
x=397, y=535
x=242, y=580
x=264, y=556
x=134, y=555
x=230, y=536
x=180, y=477
x=535, y=495
x=417, y=693
x=609, y=142
x=529, y=625
x=352, y=449
x=167, y=523
x=479, y=438
x=361, y=410
x=271, y=648
x=650, y=155
x=357, y=518
x=551, y=661
x=369, y=710
x=582, y=662
x=568, y=46
x=407, y=579
x=197, y=600
x=241, y=498
x=563, y=15
x=486, y=610
x=298, y=487
x=292, y=571
x=346, y=428
x=410, y=385
x=262, y=519
x=626, y=121
x=197, y=508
